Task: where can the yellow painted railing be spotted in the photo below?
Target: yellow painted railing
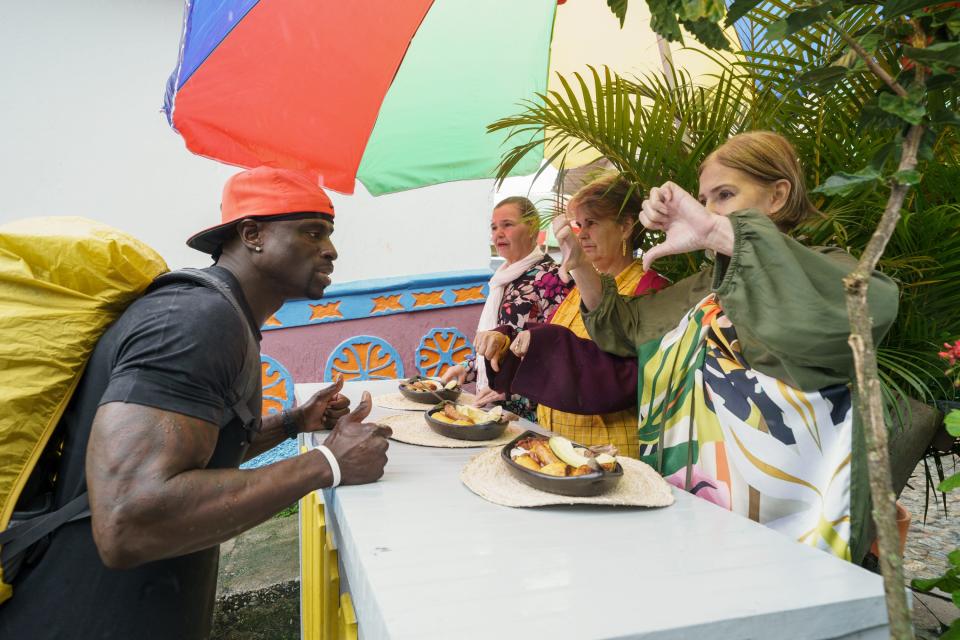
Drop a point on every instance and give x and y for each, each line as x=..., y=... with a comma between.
x=331, y=589
x=312, y=532
x=348, y=619
x=325, y=613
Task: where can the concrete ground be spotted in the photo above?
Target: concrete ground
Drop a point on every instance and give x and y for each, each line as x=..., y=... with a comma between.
x=928, y=543
x=263, y=556
x=258, y=590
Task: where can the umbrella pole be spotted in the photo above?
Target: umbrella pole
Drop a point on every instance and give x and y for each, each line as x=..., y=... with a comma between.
x=666, y=61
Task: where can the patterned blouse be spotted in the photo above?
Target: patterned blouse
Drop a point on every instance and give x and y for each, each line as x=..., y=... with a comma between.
x=533, y=297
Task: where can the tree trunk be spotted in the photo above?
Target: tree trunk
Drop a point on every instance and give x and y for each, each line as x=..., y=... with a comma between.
x=871, y=399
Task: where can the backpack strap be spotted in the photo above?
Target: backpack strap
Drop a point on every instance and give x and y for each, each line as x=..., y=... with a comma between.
x=19, y=537
x=238, y=407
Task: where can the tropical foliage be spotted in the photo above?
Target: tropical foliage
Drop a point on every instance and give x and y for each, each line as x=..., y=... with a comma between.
x=698, y=17
x=807, y=84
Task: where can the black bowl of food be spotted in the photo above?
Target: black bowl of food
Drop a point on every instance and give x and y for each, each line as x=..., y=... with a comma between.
x=557, y=465
x=466, y=423
x=428, y=390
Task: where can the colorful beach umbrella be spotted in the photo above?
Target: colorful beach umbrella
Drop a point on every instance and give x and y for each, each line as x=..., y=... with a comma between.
x=396, y=95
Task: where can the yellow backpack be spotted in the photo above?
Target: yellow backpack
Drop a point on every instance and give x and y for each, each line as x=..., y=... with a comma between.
x=63, y=281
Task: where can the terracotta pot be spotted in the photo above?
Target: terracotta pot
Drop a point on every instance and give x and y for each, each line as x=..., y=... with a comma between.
x=903, y=526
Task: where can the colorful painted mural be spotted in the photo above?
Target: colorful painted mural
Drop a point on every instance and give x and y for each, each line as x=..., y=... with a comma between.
x=372, y=329
x=277, y=384
x=388, y=296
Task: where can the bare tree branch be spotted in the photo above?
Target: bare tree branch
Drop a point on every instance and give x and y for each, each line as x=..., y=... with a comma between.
x=871, y=398
x=870, y=61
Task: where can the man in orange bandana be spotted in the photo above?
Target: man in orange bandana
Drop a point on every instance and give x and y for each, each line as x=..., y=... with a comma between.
x=167, y=409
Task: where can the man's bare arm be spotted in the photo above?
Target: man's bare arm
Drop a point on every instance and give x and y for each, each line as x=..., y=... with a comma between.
x=152, y=498
x=270, y=435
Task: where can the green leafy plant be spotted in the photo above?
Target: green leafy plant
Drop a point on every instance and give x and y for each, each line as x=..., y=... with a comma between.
x=656, y=128
x=286, y=512
x=698, y=17
x=917, y=101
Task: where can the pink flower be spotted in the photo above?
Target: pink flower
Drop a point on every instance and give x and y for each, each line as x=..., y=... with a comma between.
x=951, y=354
x=953, y=349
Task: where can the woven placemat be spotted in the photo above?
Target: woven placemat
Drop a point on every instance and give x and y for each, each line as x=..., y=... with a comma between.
x=411, y=428
x=488, y=477
x=398, y=401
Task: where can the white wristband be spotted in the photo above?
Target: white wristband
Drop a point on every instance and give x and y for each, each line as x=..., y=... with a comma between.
x=334, y=465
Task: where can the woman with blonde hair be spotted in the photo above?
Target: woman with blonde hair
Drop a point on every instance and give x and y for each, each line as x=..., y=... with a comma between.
x=743, y=370
x=525, y=288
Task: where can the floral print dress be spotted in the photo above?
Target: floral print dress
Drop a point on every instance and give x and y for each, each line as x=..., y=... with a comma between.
x=533, y=297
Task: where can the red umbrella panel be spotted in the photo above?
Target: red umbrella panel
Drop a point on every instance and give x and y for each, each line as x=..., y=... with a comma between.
x=291, y=83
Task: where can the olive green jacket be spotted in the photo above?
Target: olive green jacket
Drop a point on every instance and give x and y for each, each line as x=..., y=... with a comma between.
x=788, y=306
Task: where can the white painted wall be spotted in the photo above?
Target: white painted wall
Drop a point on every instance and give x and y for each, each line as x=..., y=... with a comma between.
x=81, y=133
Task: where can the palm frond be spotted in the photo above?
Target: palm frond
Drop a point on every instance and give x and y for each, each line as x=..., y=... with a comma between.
x=656, y=127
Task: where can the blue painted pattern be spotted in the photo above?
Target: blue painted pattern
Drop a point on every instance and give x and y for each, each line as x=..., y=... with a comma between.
x=364, y=358
x=277, y=386
x=442, y=348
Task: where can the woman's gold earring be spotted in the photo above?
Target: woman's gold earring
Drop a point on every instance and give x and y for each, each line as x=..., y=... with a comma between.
x=623, y=247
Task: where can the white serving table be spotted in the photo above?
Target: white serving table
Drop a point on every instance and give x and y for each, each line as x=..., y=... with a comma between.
x=423, y=557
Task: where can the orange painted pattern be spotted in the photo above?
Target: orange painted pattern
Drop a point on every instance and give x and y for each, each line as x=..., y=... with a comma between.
x=470, y=293
x=429, y=355
x=380, y=358
x=369, y=357
x=347, y=365
x=273, y=322
x=429, y=359
x=268, y=404
x=328, y=310
x=428, y=298
x=460, y=350
x=454, y=345
x=390, y=372
x=387, y=303
x=271, y=384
